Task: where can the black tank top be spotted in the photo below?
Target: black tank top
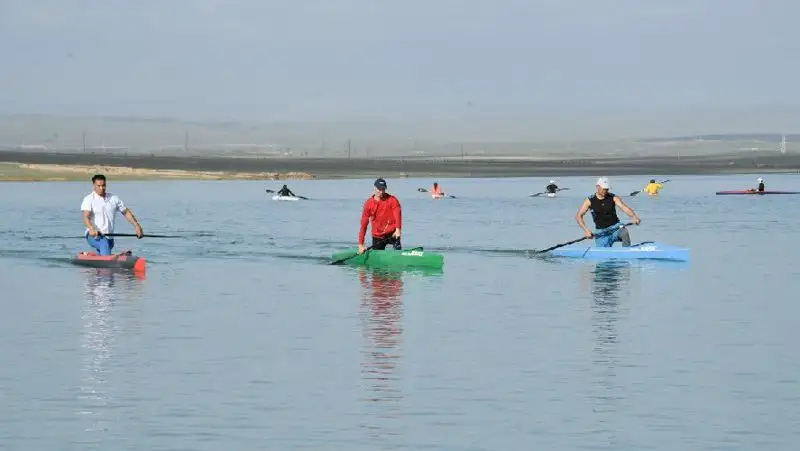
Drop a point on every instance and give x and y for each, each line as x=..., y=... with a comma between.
x=604, y=212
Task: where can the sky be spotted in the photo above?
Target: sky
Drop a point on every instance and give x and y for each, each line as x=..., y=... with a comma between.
x=267, y=60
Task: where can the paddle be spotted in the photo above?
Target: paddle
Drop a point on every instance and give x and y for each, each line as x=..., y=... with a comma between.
x=299, y=197
x=581, y=239
x=145, y=236
x=543, y=192
x=356, y=254
x=423, y=190
x=115, y=235
x=127, y=234
x=637, y=192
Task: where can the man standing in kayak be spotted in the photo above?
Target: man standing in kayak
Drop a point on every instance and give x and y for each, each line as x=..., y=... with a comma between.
x=652, y=188
x=384, y=211
x=99, y=212
x=604, y=213
x=285, y=192
x=436, y=191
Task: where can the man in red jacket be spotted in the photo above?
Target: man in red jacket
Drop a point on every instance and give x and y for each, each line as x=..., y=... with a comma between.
x=384, y=211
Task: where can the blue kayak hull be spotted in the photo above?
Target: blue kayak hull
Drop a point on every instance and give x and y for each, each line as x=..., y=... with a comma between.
x=643, y=251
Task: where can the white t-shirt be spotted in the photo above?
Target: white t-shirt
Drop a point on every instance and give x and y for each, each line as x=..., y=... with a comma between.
x=103, y=210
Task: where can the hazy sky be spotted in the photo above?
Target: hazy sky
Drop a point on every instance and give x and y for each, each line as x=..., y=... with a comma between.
x=264, y=59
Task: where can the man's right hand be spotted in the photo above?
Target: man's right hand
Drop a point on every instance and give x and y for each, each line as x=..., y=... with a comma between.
x=94, y=233
x=587, y=233
x=360, y=248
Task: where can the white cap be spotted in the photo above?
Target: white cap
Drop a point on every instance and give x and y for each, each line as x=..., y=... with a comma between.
x=760, y=179
x=553, y=182
x=603, y=182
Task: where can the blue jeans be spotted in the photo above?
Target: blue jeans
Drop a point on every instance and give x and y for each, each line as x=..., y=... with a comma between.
x=102, y=244
x=613, y=234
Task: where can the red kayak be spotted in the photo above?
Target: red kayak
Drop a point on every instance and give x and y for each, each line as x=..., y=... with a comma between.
x=123, y=260
x=747, y=191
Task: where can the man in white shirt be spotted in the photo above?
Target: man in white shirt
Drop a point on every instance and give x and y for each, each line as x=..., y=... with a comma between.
x=99, y=211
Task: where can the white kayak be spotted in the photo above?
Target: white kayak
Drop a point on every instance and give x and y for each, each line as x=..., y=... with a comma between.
x=285, y=198
x=645, y=250
x=551, y=194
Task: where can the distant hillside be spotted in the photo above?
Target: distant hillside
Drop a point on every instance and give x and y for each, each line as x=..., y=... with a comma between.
x=378, y=138
x=765, y=137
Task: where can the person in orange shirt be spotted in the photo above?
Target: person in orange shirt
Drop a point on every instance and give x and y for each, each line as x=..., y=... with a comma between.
x=436, y=191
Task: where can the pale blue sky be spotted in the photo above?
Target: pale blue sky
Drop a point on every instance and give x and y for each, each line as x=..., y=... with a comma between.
x=303, y=59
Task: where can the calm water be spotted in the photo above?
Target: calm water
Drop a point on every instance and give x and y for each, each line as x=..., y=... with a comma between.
x=244, y=338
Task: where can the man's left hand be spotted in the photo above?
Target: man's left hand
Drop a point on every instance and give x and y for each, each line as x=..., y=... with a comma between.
x=139, y=232
x=396, y=233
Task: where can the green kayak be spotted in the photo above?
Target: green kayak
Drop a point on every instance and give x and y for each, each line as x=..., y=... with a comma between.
x=390, y=258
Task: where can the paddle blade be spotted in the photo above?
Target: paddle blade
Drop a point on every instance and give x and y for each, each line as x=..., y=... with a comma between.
x=422, y=190
x=269, y=190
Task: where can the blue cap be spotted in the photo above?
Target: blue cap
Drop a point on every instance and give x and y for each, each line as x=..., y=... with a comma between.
x=380, y=184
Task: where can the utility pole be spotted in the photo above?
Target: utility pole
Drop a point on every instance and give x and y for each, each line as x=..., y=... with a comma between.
x=348, y=149
x=84, y=141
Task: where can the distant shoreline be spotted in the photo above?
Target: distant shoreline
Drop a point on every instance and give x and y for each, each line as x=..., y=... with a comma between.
x=53, y=166
x=24, y=172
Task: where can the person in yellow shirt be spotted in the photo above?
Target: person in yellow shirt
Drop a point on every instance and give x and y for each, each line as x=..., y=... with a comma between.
x=652, y=188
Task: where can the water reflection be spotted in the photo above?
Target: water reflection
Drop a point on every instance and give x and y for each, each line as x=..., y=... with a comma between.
x=102, y=288
x=608, y=280
x=381, y=312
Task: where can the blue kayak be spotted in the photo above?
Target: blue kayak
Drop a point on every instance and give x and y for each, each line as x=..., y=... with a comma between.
x=647, y=250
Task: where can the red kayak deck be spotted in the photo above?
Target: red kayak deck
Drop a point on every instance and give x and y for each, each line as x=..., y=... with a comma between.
x=745, y=191
x=122, y=260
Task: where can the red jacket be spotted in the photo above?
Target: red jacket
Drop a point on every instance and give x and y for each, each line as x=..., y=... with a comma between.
x=385, y=215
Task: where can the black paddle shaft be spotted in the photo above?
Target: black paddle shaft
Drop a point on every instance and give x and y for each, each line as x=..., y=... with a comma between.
x=356, y=254
x=145, y=236
x=581, y=239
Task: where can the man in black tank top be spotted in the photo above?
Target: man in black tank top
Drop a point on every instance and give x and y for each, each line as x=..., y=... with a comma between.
x=603, y=205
